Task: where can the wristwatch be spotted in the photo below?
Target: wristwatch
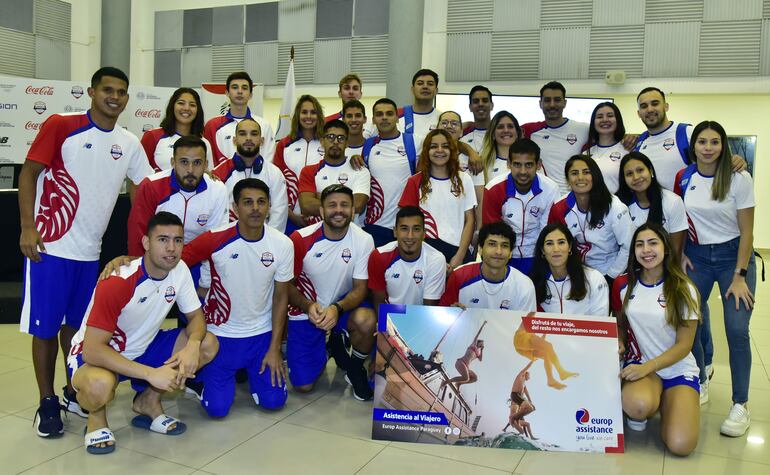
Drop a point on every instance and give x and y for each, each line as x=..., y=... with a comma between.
x=741, y=272
x=339, y=308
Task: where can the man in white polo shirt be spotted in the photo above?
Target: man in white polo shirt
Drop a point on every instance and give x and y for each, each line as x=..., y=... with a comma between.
x=120, y=337
x=68, y=187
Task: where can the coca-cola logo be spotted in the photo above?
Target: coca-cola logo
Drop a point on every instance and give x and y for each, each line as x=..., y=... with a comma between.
x=32, y=125
x=76, y=92
x=148, y=113
x=40, y=91
x=39, y=107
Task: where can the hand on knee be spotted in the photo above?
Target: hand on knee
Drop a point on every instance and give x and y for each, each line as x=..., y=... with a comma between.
x=209, y=349
x=272, y=400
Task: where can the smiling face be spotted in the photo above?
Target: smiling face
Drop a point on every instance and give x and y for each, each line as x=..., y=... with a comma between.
x=109, y=97
x=496, y=251
x=481, y=106
x=308, y=116
x=556, y=249
x=163, y=246
x=452, y=123
x=708, y=147
x=337, y=211
x=439, y=151
x=579, y=177
x=552, y=103
x=185, y=109
x=355, y=118
x=649, y=250
x=505, y=132
x=523, y=168
x=637, y=175
x=605, y=121
x=652, y=109
x=410, y=233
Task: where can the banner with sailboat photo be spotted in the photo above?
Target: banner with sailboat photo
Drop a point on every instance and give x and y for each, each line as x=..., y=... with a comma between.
x=497, y=378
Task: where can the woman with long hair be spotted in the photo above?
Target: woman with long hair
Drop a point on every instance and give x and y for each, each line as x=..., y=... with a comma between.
x=656, y=305
x=562, y=283
x=648, y=201
x=302, y=147
x=598, y=220
x=184, y=116
x=445, y=195
x=605, y=134
x=720, y=207
x=502, y=132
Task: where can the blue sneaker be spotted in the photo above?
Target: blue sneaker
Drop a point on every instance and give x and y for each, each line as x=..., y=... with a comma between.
x=47, y=421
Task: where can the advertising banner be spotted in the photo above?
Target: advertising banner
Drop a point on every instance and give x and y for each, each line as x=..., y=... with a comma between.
x=497, y=378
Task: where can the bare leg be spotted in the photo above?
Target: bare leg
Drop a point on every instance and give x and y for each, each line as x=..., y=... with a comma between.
x=44, y=361
x=96, y=388
x=641, y=398
x=680, y=419
x=463, y=378
x=362, y=325
x=543, y=349
x=525, y=409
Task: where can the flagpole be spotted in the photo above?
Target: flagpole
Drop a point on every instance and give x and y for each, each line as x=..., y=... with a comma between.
x=287, y=105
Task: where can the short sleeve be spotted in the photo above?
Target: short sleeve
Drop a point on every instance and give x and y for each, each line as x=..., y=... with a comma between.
x=362, y=182
x=452, y=292
x=676, y=216
x=361, y=268
x=742, y=187
x=49, y=139
x=468, y=191
x=435, y=281
x=377, y=272
x=110, y=296
x=187, y=299
x=307, y=179
x=138, y=166
x=285, y=270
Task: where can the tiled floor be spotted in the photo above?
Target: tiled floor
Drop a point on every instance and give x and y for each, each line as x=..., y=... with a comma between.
x=328, y=432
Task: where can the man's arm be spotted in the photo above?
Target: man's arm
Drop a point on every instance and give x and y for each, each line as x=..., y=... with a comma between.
x=30, y=240
x=273, y=358
x=309, y=203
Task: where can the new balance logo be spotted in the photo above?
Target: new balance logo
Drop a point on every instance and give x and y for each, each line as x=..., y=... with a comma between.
x=319, y=254
x=474, y=300
x=234, y=256
x=87, y=145
x=396, y=276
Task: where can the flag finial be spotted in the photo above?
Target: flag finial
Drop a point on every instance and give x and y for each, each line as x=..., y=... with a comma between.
x=292, y=53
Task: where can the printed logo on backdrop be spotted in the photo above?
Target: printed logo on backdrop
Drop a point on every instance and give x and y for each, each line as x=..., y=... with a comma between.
x=39, y=107
x=5, y=141
x=147, y=127
x=146, y=95
x=32, y=125
x=8, y=106
x=76, y=91
x=7, y=87
x=140, y=95
x=148, y=113
x=39, y=91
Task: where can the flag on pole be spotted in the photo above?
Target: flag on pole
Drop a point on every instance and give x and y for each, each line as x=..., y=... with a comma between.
x=287, y=106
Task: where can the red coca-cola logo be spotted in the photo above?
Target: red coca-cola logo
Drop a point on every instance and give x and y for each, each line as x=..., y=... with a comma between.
x=32, y=125
x=149, y=113
x=40, y=91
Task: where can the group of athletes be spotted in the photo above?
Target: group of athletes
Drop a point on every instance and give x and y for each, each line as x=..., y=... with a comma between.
x=278, y=254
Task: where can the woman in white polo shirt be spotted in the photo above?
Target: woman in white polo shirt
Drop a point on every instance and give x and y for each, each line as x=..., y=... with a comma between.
x=656, y=305
x=562, y=283
x=720, y=207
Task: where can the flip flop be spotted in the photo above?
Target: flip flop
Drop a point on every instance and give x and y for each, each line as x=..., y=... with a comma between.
x=160, y=424
x=99, y=436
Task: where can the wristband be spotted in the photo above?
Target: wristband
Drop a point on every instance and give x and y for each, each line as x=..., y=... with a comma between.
x=339, y=308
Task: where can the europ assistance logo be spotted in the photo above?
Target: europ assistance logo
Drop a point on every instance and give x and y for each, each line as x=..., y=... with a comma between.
x=589, y=424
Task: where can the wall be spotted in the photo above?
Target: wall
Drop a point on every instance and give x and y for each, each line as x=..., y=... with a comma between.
x=86, y=39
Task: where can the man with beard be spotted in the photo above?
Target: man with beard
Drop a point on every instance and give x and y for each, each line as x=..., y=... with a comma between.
x=334, y=168
x=184, y=190
x=121, y=337
x=251, y=269
x=68, y=187
x=330, y=283
x=247, y=162
x=558, y=137
x=481, y=107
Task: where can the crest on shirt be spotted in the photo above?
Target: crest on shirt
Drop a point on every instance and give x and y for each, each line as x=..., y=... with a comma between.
x=615, y=156
x=267, y=259
x=116, y=151
x=668, y=144
x=417, y=276
x=505, y=305
x=401, y=151
x=662, y=300
x=572, y=139
x=600, y=225
x=170, y=293
x=202, y=219
x=343, y=178
x=346, y=255
x=534, y=211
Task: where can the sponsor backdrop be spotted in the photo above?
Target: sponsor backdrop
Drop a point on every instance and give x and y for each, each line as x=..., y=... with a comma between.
x=420, y=351
x=26, y=103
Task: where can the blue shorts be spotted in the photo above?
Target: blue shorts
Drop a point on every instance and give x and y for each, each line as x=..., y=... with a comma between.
x=218, y=377
x=522, y=264
x=305, y=352
x=55, y=292
x=159, y=350
x=681, y=380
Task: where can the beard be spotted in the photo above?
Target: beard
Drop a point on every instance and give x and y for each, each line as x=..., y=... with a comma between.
x=243, y=152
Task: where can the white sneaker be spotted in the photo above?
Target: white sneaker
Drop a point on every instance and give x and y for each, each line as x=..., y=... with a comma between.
x=737, y=422
x=704, y=392
x=636, y=425
x=709, y=371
